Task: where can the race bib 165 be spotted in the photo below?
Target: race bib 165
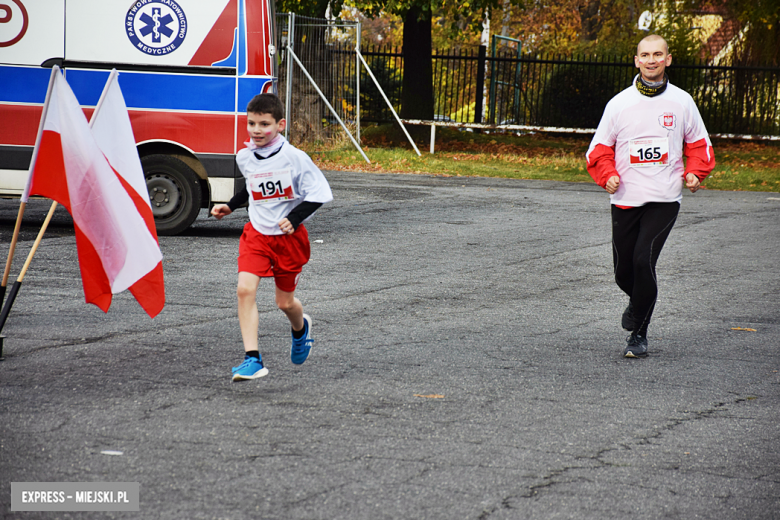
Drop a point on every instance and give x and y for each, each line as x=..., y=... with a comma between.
x=648, y=152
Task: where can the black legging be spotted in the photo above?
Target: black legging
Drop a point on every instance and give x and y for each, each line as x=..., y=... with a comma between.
x=638, y=235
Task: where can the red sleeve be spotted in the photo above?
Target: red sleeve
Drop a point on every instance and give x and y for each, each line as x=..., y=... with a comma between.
x=700, y=158
x=601, y=164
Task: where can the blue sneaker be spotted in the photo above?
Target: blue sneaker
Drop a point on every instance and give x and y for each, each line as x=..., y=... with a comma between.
x=302, y=346
x=251, y=368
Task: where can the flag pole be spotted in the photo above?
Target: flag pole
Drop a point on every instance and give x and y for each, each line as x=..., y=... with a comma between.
x=15, y=288
x=26, y=192
x=22, y=205
x=11, y=250
x=114, y=73
x=18, y=283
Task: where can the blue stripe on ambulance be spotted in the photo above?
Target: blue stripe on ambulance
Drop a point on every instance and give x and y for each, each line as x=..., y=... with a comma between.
x=248, y=87
x=170, y=91
x=159, y=91
x=24, y=84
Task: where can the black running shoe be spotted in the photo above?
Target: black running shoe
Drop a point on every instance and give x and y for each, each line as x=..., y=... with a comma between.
x=628, y=318
x=636, y=346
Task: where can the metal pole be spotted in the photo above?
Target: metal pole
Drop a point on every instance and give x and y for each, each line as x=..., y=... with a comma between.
x=333, y=111
x=358, y=35
x=288, y=93
x=492, y=99
x=480, y=94
x=388, y=102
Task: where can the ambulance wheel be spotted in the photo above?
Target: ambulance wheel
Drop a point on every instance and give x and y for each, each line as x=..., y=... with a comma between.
x=174, y=192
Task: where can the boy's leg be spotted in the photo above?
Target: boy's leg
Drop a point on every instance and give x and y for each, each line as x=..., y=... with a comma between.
x=301, y=325
x=291, y=306
x=252, y=366
x=248, y=316
x=287, y=272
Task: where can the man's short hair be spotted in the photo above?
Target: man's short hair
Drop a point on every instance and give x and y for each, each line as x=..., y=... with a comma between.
x=267, y=104
x=652, y=38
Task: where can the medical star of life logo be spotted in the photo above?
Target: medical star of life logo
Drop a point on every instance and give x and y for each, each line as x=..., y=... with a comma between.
x=667, y=120
x=156, y=27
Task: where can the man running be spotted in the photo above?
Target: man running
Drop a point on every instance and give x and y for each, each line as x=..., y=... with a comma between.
x=637, y=156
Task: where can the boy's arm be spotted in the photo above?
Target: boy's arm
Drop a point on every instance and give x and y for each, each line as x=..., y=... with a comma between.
x=301, y=212
x=239, y=199
x=313, y=186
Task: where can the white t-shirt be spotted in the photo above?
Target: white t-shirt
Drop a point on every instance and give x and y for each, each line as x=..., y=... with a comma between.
x=280, y=183
x=647, y=134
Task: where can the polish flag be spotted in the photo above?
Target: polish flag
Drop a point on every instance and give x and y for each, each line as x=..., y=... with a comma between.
x=94, y=174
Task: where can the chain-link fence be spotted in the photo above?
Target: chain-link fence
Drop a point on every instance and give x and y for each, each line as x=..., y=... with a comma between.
x=327, y=51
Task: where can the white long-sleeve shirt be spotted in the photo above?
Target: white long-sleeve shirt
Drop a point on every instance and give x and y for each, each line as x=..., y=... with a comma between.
x=278, y=184
x=643, y=140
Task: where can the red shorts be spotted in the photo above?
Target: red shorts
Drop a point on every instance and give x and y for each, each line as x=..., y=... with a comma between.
x=280, y=256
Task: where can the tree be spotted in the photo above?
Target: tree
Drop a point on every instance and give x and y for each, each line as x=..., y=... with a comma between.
x=760, y=21
x=757, y=44
x=417, y=98
x=591, y=21
x=313, y=8
x=417, y=91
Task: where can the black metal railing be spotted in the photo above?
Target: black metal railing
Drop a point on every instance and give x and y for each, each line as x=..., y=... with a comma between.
x=570, y=92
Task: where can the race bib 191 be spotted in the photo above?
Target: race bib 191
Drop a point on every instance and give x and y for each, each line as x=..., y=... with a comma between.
x=648, y=152
x=271, y=186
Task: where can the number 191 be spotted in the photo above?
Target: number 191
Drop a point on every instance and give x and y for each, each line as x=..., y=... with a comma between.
x=271, y=188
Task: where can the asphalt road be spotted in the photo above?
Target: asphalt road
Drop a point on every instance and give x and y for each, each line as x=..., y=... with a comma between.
x=467, y=365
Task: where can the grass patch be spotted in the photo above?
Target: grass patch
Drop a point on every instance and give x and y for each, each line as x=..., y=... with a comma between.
x=742, y=166
x=745, y=166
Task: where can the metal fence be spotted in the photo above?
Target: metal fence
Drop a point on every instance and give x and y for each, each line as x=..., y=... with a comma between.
x=571, y=92
x=387, y=65
x=500, y=87
x=327, y=51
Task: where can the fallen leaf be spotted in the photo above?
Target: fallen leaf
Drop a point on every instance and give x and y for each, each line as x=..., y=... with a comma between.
x=744, y=329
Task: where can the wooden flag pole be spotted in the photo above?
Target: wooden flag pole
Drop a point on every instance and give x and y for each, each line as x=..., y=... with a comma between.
x=36, y=243
x=25, y=194
x=11, y=250
x=54, y=71
x=18, y=283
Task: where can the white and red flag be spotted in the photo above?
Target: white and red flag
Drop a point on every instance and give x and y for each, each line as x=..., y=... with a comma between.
x=96, y=174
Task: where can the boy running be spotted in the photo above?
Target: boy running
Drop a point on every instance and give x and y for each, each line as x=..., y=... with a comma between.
x=283, y=188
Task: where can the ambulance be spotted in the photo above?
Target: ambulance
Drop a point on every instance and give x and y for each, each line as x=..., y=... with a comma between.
x=187, y=69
